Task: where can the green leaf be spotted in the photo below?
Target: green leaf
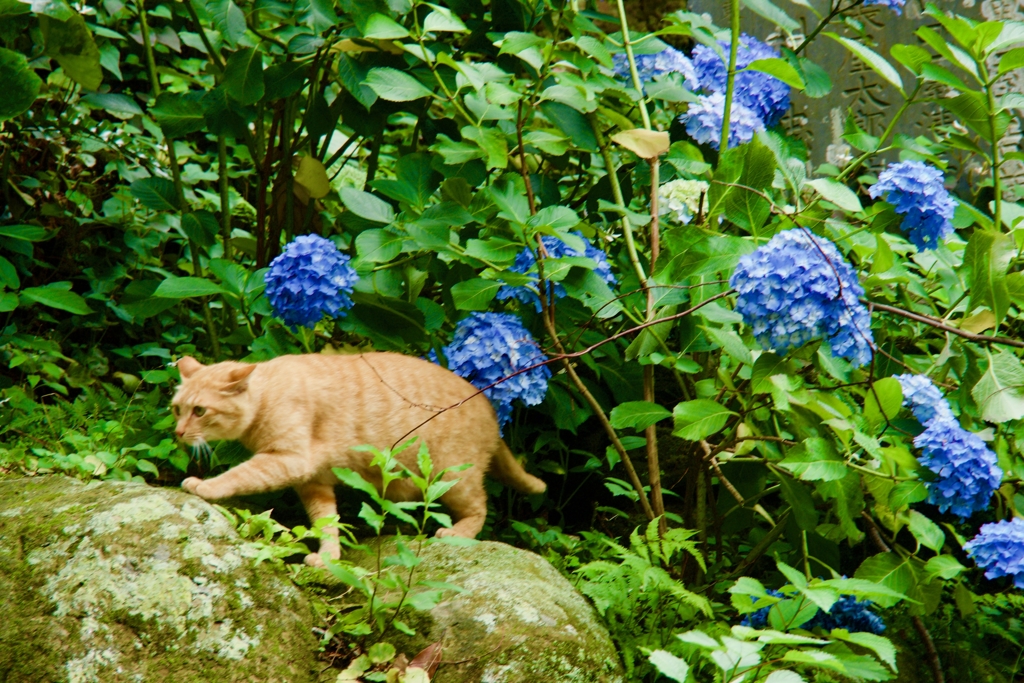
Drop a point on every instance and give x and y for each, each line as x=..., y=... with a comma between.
x=57, y=295
x=146, y=466
x=8, y=275
x=669, y=666
x=1011, y=59
x=799, y=498
x=120, y=104
x=179, y=113
x=814, y=460
x=228, y=19
x=875, y=61
x=395, y=86
x=987, y=259
x=366, y=205
x=731, y=344
x=745, y=204
x=638, y=415
x=883, y=400
x=1000, y=391
x=780, y=69
x=475, y=294
x=57, y=9
x=880, y=645
x=699, y=419
x=442, y=19
x=320, y=15
x=837, y=193
x=928, y=533
x=28, y=233
x=243, y=76
x=907, y=493
x=773, y=14
x=8, y=302
x=21, y=84
x=283, y=80
x=71, y=44
x=380, y=27
x=766, y=365
x=158, y=194
x=911, y=56
x=378, y=246
x=186, y=287
x=972, y=109
x=944, y=566
x=201, y=227
x=572, y=123
x=890, y=570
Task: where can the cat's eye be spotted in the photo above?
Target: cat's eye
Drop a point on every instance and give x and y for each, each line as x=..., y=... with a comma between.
x=176, y=410
x=199, y=411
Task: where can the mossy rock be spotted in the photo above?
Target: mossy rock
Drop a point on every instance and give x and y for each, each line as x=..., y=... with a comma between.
x=112, y=582
x=518, y=620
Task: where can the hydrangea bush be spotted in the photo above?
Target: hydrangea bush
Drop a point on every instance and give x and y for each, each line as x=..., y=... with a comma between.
x=497, y=354
x=309, y=280
x=748, y=352
x=798, y=288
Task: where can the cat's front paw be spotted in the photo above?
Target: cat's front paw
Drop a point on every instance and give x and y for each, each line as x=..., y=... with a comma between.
x=314, y=560
x=191, y=484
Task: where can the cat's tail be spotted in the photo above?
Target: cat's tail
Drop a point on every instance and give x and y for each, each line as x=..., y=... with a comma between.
x=506, y=469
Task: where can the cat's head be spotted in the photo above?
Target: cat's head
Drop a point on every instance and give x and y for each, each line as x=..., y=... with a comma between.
x=212, y=402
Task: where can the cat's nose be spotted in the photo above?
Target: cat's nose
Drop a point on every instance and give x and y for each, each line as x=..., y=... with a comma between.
x=180, y=431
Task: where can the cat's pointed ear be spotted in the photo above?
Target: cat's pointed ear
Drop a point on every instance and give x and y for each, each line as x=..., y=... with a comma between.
x=187, y=366
x=238, y=379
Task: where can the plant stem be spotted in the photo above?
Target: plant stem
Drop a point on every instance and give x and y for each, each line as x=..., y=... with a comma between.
x=997, y=183
x=730, y=83
x=651, y=432
x=214, y=56
x=823, y=23
x=613, y=179
x=225, y=195
x=637, y=83
x=549, y=325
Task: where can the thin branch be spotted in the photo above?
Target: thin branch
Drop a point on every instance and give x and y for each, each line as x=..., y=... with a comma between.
x=938, y=324
x=713, y=461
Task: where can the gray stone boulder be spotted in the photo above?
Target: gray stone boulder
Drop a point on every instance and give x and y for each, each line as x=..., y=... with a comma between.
x=111, y=582
x=518, y=621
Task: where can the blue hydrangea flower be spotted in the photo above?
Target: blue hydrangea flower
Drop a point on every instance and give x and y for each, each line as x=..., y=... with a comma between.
x=488, y=347
x=789, y=294
x=895, y=5
x=967, y=471
x=556, y=248
x=850, y=613
x=915, y=189
x=765, y=95
x=309, y=279
x=703, y=120
x=759, y=618
x=923, y=398
x=649, y=67
x=999, y=549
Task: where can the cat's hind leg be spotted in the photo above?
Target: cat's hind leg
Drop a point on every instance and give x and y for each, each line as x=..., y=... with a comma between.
x=467, y=501
x=319, y=501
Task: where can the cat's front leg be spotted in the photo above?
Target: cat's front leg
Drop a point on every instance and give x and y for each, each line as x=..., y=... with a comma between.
x=261, y=473
x=319, y=501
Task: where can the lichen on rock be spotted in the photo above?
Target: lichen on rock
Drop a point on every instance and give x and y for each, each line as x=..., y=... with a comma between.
x=517, y=620
x=112, y=582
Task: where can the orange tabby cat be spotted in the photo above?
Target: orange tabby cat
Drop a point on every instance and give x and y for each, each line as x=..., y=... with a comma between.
x=302, y=415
